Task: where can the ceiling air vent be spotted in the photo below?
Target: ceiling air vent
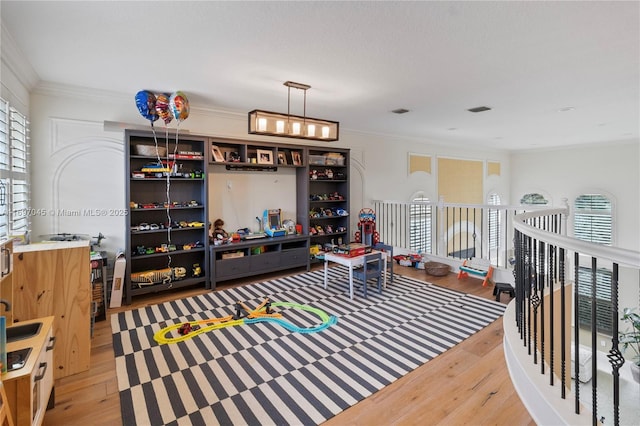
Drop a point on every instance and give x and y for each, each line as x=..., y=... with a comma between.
x=400, y=111
x=479, y=109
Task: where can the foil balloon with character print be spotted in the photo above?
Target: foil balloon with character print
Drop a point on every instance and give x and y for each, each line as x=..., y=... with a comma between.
x=179, y=106
x=146, y=103
x=162, y=108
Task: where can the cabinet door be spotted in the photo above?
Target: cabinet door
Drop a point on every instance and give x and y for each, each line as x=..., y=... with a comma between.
x=265, y=262
x=34, y=277
x=232, y=267
x=294, y=257
x=43, y=379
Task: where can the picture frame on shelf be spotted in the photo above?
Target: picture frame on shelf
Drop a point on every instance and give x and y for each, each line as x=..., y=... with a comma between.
x=217, y=154
x=282, y=158
x=264, y=156
x=295, y=157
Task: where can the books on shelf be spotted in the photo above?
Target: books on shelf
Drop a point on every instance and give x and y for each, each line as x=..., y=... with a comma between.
x=187, y=155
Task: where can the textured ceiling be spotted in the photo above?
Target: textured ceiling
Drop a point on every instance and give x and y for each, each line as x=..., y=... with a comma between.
x=526, y=60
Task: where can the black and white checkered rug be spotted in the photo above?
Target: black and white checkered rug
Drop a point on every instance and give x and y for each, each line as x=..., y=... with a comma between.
x=263, y=374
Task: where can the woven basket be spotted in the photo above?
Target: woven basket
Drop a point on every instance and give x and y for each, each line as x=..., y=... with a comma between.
x=436, y=269
x=150, y=150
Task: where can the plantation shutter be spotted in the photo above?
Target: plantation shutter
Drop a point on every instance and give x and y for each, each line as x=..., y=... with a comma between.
x=19, y=167
x=4, y=165
x=603, y=299
x=494, y=222
x=592, y=219
x=14, y=171
x=420, y=225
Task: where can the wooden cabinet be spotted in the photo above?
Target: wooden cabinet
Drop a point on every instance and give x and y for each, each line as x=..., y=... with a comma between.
x=167, y=225
x=260, y=256
x=53, y=279
x=325, y=211
x=29, y=388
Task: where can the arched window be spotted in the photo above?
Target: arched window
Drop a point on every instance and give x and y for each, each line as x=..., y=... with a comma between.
x=533, y=199
x=420, y=224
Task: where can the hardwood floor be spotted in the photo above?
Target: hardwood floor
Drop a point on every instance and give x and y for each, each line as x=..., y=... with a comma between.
x=468, y=384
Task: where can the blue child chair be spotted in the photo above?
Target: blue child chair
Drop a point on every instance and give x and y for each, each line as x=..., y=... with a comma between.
x=388, y=251
x=372, y=268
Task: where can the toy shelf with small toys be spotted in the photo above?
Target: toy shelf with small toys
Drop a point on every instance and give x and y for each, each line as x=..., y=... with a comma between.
x=167, y=241
x=328, y=201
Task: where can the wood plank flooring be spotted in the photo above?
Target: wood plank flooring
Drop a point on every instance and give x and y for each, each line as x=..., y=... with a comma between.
x=469, y=384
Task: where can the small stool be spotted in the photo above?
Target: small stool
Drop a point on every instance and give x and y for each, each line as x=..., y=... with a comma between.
x=503, y=288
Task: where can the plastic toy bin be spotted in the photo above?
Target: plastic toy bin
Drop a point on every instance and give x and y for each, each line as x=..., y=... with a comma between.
x=316, y=159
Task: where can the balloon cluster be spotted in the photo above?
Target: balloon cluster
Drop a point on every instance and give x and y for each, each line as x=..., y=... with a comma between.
x=164, y=106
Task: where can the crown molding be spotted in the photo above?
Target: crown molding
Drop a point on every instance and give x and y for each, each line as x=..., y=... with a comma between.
x=49, y=88
x=16, y=61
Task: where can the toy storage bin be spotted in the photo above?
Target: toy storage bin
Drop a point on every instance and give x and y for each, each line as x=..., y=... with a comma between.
x=150, y=150
x=317, y=160
x=437, y=269
x=334, y=159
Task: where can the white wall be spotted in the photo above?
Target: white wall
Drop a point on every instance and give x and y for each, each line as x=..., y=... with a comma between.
x=16, y=75
x=239, y=197
x=611, y=169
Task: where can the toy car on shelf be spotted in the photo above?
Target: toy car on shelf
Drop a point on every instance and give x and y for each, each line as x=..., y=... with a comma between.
x=157, y=169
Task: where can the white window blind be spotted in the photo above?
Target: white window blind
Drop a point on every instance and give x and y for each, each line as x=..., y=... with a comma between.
x=4, y=211
x=4, y=165
x=14, y=171
x=603, y=299
x=592, y=222
x=4, y=135
x=592, y=219
x=420, y=225
x=494, y=222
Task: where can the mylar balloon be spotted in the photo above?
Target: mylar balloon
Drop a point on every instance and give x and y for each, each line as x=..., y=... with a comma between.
x=162, y=108
x=146, y=103
x=179, y=106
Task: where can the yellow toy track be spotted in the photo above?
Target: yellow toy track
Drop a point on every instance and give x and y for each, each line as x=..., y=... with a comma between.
x=253, y=316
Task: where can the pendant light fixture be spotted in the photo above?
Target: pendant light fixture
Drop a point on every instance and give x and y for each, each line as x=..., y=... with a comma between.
x=293, y=126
